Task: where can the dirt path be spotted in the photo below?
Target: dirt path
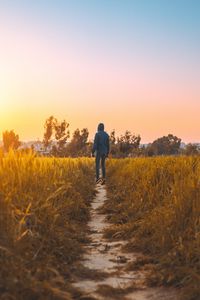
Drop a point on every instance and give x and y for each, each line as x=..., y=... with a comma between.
x=104, y=259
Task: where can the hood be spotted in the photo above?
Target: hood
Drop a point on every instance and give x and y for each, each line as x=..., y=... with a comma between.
x=100, y=127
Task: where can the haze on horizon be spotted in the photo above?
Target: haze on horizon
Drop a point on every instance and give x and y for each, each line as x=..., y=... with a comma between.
x=130, y=64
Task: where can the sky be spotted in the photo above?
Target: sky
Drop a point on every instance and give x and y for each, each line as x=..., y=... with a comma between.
x=131, y=64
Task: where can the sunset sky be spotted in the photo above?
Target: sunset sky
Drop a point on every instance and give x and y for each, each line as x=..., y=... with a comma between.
x=132, y=64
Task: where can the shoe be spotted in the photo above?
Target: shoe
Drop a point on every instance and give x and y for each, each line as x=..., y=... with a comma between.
x=103, y=181
x=98, y=180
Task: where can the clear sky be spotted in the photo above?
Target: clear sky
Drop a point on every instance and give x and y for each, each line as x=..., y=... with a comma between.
x=132, y=64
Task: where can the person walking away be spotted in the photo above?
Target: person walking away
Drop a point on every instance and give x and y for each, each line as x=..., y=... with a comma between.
x=101, y=150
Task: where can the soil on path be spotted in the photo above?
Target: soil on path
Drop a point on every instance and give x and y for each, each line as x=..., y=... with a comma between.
x=106, y=265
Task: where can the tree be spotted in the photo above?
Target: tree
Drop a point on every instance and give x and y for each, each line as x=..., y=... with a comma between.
x=112, y=137
x=10, y=140
x=56, y=131
x=61, y=135
x=192, y=149
x=49, y=127
x=166, y=145
x=128, y=142
x=79, y=143
x=148, y=150
x=113, y=145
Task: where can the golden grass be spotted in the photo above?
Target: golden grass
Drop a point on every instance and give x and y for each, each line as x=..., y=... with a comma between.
x=44, y=209
x=155, y=203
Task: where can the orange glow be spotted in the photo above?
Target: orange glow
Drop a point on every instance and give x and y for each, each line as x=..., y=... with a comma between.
x=45, y=74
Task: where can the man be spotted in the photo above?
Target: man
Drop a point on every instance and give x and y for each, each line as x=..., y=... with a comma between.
x=101, y=149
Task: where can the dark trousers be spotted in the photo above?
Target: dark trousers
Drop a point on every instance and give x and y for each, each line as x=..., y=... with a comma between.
x=100, y=158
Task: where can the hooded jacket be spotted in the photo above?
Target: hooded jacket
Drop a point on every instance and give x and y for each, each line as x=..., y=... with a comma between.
x=101, y=141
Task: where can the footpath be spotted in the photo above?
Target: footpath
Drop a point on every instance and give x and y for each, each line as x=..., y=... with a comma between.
x=107, y=265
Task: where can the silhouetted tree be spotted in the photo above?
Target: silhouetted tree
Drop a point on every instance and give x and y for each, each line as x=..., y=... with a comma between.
x=112, y=137
x=148, y=150
x=89, y=149
x=140, y=151
x=49, y=128
x=166, y=145
x=56, y=131
x=191, y=149
x=79, y=145
x=113, y=144
x=10, y=140
x=61, y=136
x=127, y=143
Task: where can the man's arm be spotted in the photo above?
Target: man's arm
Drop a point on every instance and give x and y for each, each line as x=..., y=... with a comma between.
x=94, y=148
x=108, y=145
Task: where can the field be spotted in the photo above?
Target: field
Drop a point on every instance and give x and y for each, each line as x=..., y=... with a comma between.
x=155, y=204
x=44, y=209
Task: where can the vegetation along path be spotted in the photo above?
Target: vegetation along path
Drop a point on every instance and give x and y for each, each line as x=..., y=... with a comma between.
x=107, y=275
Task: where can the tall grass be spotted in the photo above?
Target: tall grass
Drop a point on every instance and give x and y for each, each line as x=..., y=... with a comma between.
x=155, y=203
x=44, y=208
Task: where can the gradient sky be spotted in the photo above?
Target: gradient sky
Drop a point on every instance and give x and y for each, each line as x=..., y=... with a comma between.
x=132, y=64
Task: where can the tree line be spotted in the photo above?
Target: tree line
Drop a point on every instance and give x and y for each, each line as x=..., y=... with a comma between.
x=56, y=142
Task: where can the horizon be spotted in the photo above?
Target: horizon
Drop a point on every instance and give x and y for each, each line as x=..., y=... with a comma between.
x=133, y=65
x=91, y=140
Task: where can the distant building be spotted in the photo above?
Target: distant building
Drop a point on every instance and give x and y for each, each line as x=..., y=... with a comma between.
x=37, y=146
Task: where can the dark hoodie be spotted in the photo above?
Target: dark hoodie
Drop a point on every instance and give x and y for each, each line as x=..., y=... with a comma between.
x=101, y=141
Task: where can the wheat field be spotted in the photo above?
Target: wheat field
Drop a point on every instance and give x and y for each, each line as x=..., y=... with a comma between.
x=155, y=204
x=44, y=209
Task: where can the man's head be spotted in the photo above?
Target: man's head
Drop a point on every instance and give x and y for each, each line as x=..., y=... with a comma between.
x=101, y=127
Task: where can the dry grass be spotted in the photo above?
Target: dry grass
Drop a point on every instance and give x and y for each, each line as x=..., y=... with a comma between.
x=44, y=209
x=110, y=292
x=155, y=203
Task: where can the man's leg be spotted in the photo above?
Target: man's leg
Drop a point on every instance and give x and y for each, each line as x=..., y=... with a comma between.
x=103, y=167
x=97, y=161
